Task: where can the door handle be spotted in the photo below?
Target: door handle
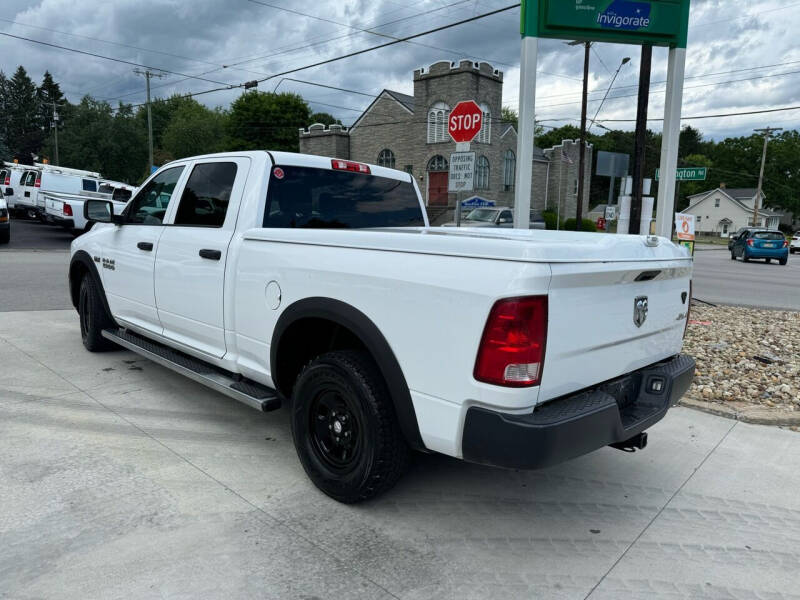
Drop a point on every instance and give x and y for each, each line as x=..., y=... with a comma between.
x=145, y=246
x=211, y=254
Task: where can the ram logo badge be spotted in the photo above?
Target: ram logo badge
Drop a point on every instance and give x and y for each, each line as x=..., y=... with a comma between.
x=640, y=310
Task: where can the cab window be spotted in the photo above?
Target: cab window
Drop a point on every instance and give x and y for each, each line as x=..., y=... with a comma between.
x=205, y=198
x=89, y=185
x=150, y=204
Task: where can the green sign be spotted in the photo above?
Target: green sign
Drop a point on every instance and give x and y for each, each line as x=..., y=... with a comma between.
x=688, y=173
x=656, y=22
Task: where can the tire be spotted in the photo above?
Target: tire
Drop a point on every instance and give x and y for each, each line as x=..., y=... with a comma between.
x=733, y=256
x=768, y=260
x=5, y=235
x=343, y=393
x=93, y=317
x=783, y=261
x=745, y=258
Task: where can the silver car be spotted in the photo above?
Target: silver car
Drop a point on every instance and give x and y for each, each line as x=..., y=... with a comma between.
x=494, y=216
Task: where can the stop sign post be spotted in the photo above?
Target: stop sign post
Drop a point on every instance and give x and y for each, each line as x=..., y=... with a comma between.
x=465, y=122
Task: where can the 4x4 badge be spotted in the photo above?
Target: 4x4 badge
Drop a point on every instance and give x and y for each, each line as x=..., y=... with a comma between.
x=640, y=310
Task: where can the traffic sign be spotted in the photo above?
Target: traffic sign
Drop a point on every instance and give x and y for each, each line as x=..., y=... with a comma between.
x=688, y=173
x=462, y=172
x=465, y=121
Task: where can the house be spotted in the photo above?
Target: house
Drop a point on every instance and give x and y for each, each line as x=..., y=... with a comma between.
x=724, y=210
x=409, y=132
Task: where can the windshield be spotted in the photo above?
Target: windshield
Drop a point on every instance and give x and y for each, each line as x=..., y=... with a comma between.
x=309, y=197
x=768, y=235
x=484, y=215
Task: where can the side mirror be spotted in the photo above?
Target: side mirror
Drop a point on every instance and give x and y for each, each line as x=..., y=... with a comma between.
x=100, y=211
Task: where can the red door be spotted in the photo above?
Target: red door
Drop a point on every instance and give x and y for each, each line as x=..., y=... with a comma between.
x=437, y=188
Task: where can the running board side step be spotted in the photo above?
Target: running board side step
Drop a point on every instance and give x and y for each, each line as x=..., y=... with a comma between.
x=247, y=392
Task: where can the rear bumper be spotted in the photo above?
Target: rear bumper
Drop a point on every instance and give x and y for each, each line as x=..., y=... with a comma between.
x=767, y=252
x=577, y=424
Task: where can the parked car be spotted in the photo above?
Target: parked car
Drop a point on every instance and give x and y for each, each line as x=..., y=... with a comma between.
x=5, y=221
x=495, y=216
x=794, y=245
x=276, y=278
x=761, y=243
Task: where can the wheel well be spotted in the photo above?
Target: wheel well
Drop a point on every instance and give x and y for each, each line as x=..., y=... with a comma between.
x=304, y=340
x=76, y=273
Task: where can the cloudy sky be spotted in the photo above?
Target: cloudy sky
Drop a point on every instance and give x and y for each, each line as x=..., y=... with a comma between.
x=742, y=56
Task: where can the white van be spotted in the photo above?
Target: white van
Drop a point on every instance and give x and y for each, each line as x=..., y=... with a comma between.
x=10, y=176
x=25, y=200
x=58, y=180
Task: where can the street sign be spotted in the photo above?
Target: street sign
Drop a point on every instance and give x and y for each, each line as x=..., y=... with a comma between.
x=465, y=121
x=462, y=172
x=476, y=202
x=688, y=173
x=656, y=22
x=612, y=164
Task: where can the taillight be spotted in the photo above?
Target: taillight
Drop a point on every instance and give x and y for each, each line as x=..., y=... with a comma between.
x=785, y=243
x=38, y=182
x=349, y=165
x=513, y=343
x=750, y=242
x=67, y=210
x=8, y=180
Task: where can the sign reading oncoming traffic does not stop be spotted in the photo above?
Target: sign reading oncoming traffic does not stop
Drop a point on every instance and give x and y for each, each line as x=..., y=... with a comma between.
x=462, y=172
x=465, y=121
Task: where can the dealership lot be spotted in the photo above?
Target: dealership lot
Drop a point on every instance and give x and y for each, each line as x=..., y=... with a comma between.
x=122, y=479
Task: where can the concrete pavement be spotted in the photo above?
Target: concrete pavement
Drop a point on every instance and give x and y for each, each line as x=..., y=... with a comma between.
x=120, y=479
x=720, y=280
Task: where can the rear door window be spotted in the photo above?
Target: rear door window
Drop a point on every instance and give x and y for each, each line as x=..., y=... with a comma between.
x=150, y=204
x=205, y=199
x=768, y=235
x=307, y=197
x=29, y=179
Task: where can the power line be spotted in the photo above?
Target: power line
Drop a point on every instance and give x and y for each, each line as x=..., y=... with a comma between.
x=119, y=60
x=718, y=116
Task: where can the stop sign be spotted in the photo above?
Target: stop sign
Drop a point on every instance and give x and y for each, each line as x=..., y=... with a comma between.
x=465, y=121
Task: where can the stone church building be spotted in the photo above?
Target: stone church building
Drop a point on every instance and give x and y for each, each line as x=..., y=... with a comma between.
x=410, y=133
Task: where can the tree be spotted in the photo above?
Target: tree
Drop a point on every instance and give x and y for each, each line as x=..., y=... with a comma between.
x=509, y=115
x=263, y=120
x=324, y=118
x=23, y=135
x=49, y=93
x=194, y=129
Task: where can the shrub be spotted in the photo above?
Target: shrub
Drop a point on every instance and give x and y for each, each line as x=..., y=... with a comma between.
x=586, y=225
x=550, y=219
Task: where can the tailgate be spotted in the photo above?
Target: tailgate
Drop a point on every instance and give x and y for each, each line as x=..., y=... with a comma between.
x=608, y=319
x=54, y=207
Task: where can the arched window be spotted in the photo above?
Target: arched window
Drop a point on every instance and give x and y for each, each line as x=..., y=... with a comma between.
x=386, y=158
x=437, y=163
x=482, y=173
x=485, y=134
x=437, y=122
x=509, y=169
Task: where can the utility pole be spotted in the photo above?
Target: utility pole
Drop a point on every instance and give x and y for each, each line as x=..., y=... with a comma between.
x=582, y=151
x=767, y=131
x=55, y=132
x=640, y=138
x=147, y=73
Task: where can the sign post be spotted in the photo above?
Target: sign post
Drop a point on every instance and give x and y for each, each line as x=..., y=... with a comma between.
x=465, y=122
x=653, y=22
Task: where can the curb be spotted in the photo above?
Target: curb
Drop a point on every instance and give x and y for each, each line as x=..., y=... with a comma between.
x=755, y=415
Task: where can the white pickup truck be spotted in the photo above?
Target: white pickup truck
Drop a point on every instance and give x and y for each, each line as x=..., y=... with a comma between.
x=315, y=282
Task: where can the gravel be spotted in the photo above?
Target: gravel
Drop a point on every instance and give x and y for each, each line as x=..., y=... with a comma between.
x=745, y=356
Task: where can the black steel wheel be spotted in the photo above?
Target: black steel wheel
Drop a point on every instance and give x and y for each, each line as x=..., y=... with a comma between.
x=93, y=317
x=344, y=427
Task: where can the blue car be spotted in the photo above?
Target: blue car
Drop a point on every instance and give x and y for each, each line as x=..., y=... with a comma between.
x=766, y=244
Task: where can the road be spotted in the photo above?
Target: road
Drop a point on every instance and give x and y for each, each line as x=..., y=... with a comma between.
x=719, y=279
x=122, y=479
